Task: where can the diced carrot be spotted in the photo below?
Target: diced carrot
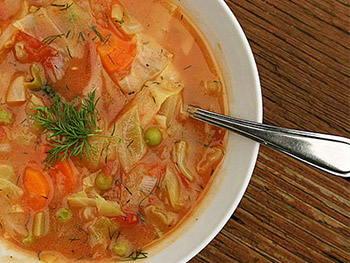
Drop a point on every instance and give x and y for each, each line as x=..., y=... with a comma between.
x=68, y=176
x=36, y=188
x=117, y=55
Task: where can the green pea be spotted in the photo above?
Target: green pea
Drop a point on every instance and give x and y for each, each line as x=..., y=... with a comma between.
x=29, y=240
x=120, y=248
x=153, y=137
x=103, y=182
x=64, y=214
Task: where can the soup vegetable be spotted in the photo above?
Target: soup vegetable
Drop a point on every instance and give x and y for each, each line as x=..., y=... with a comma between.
x=98, y=159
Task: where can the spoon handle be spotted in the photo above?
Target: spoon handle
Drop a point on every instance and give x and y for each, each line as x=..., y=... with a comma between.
x=326, y=152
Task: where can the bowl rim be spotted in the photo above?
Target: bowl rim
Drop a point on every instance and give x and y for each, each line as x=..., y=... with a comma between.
x=259, y=118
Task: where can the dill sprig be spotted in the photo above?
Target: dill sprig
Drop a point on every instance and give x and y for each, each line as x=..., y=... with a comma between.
x=135, y=255
x=50, y=39
x=70, y=126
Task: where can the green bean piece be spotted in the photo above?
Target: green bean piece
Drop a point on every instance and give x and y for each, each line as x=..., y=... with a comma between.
x=153, y=136
x=39, y=224
x=103, y=182
x=120, y=248
x=29, y=240
x=64, y=214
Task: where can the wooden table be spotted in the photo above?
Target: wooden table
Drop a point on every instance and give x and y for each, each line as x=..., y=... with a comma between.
x=291, y=212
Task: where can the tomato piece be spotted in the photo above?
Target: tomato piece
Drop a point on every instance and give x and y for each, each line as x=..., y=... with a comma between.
x=184, y=181
x=68, y=176
x=3, y=134
x=36, y=50
x=129, y=219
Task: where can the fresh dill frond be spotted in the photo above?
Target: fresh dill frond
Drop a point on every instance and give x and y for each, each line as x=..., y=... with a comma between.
x=70, y=126
x=50, y=39
x=135, y=255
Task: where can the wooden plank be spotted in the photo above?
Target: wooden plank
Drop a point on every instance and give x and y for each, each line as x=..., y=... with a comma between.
x=292, y=212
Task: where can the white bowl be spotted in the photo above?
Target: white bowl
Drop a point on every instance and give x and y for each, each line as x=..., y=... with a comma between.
x=235, y=57
x=232, y=51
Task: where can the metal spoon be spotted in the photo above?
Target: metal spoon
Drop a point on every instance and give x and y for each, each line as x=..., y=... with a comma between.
x=326, y=152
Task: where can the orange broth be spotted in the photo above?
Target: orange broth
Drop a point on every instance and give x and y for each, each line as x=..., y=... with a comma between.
x=145, y=215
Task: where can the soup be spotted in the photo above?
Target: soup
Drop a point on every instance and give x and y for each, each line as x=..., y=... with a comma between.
x=98, y=159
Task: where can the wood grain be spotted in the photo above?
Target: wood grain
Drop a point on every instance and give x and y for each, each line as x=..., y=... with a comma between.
x=291, y=212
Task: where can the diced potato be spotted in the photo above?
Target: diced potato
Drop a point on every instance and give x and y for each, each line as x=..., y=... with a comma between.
x=179, y=157
x=7, y=172
x=16, y=93
x=5, y=117
x=39, y=224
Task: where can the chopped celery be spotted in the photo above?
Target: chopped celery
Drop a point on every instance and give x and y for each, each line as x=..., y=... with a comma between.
x=64, y=214
x=5, y=117
x=121, y=248
x=36, y=82
x=28, y=240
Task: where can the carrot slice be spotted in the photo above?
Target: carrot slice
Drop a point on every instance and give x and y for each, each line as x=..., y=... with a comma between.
x=69, y=179
x=36, y=188
x=117, y=55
